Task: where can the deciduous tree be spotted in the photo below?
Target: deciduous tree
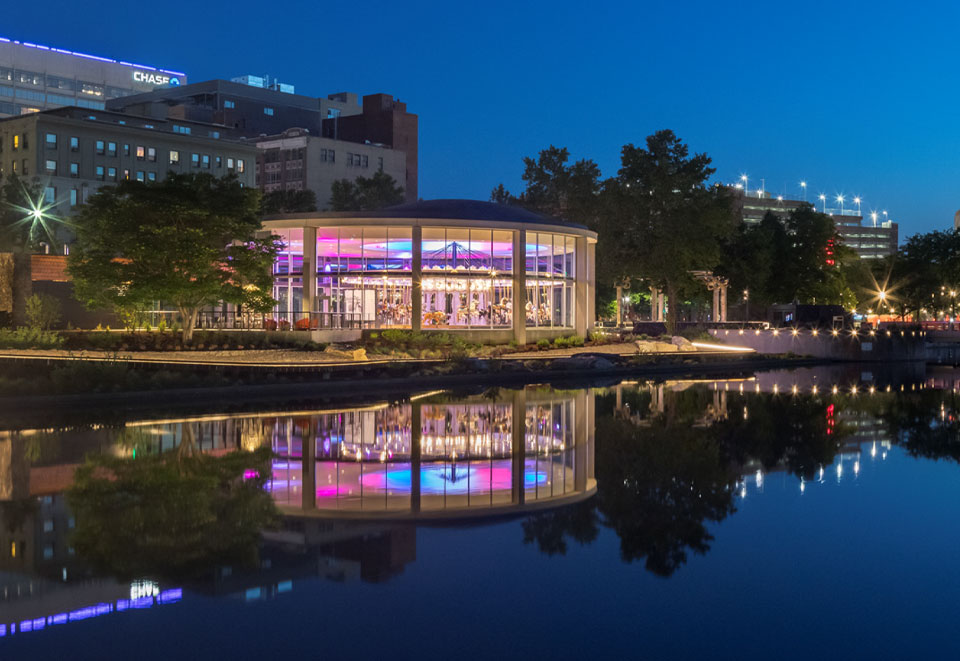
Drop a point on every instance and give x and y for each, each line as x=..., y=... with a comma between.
x=365, y=194
x=189, y=240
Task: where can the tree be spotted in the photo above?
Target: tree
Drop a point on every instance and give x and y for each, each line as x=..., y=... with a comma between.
x=25, y=222
x=661, y=221
x=365, y=194
x=289, y=201
x=188, y=240
x=553, y=188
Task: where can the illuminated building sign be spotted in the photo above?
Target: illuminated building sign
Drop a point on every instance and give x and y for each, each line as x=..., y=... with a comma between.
x=155, y=78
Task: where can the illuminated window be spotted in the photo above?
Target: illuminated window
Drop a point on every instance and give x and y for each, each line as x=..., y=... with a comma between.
x=240, y=165
x=51, y=167
x=51, y=140
x=73, y=197
x=268, y=111
x=74, y=170
x=140, y=175
x=152, y=154
x=74, y=144
x=16, y=142
x=49, y=195
x=141, y=152
x=205, y=159
x=195, y=160
x=174, y=157
x=228, y=105
x=100, y=173
x=111, y=148
x=112, y=174
x=101, y=147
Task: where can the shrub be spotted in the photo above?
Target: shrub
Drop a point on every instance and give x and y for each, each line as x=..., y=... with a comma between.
x=30, y=338
x=543, y=344
x=43, y=311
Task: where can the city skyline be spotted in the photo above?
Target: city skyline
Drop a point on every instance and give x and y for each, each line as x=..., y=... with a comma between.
x=772, y=105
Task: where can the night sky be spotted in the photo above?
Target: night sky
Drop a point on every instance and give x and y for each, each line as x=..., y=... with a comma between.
x=855, y=98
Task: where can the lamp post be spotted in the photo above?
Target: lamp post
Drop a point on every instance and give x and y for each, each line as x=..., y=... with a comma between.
x=803, y=187
x=746, y=183
x=856, y=201
x=873, y=216
x=823, y=198
x=746, y=301
x=840, y=199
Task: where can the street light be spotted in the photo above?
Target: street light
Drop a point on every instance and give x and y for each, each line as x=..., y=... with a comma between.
x=857, y=202
x=873, y=215
x=745, y=181
x=823, y=198
x=803, y=186
x=840, y=199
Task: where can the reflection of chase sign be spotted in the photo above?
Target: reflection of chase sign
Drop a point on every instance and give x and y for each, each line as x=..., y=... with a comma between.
x=154, y=78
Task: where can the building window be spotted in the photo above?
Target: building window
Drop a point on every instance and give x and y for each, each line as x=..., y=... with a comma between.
x=101, y=148
x=219, y=162
x=205, y=159
x=380, y=163
x=229, y=105
x=195, y=160
x=365, y=161
x=126, y=175
x=240, y=165
x=215, y=135
x=112, y=174
x=16, y=142
x=99, y=173
x=24, y=140
x=152, y=154
x=151, y=176
x=126, y=150
x=74, y=144
x=25, y=168
x=183, y=130
x=268, y=111
x=51, y=140
x=49, y=195
x=74, y=170
x=111, y=149
x=141, y=152
x=140, y=175
x=73, y=197
x=51, y=167
x=230, y=164
x=174, y=157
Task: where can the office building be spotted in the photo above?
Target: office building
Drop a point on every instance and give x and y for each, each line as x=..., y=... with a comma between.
x=257, y=110
x=73, y=151
x=296, y=160
x=870, y=240
x=35, y=77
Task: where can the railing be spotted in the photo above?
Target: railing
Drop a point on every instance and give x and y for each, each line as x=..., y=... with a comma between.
x=276, y=321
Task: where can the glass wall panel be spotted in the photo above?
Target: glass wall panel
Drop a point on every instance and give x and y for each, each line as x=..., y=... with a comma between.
x=503, y=251
x=328, y=249
x=570, y=257
x=400, y=247
x=434, y=247
x=374, y=249
x=351, y=249
x=481, y=250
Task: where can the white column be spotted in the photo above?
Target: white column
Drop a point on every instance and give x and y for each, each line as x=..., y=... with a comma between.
x=520, y=286
x=309, y=272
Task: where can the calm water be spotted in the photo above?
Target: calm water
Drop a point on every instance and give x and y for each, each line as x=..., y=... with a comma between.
x=785, y=514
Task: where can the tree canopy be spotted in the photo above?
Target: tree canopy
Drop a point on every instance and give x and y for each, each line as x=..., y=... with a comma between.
x=189, y=240
x=661, y=220
x=289, y=201
x=365, y=193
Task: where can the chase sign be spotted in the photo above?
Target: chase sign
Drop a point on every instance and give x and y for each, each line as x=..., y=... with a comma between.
x=152, y=78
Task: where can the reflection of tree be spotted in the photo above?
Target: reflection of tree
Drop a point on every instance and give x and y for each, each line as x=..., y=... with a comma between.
x=657, y=487
x=171, y=516
x=924, y=425
x=551, y=529
x=790, y=430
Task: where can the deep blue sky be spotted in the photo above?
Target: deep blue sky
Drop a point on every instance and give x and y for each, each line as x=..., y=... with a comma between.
x=858, y=98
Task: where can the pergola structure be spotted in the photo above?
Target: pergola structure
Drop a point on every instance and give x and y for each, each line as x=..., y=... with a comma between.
x=718, y=285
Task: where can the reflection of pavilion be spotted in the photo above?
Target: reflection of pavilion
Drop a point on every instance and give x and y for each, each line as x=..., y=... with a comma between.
x=434, y=457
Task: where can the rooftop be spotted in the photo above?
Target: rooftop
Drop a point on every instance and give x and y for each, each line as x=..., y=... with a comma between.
x=448, y=209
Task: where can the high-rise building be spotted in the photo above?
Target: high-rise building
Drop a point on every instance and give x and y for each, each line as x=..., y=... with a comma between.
x=35, y=77
x=258, y=108
x=73, y=151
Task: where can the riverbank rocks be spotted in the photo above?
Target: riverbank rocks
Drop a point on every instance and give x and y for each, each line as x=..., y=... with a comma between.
x=682, y=343
x=653, y=346
x=345, y=354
